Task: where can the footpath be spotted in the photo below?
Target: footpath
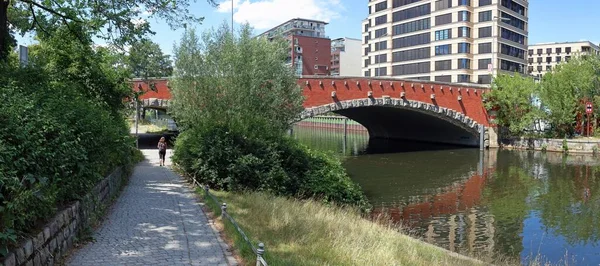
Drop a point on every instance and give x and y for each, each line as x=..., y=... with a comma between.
x=157, y=220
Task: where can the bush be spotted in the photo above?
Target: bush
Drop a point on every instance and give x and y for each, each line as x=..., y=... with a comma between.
x=227, y=160
x=55, y=145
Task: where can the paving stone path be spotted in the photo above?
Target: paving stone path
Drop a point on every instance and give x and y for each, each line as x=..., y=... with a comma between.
x=155, y=221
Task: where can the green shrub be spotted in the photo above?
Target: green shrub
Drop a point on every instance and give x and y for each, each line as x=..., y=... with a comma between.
x=56, y=143
x=227, y=160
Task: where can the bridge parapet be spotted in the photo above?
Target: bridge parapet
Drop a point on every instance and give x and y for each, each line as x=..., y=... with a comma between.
x=155, y=103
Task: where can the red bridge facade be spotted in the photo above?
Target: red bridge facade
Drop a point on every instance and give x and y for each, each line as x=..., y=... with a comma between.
x=389, y=108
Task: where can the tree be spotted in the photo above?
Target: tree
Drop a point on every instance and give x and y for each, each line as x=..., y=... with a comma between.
x=512, y=96
x=118, y=20
x=564, y=91
x=243, y=84
x=145, y=59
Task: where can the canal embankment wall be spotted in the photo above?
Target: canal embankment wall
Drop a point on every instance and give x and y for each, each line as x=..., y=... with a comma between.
x=584, y=146
x=56, y=237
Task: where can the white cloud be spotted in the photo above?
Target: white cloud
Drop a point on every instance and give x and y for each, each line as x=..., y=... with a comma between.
x=265, y=14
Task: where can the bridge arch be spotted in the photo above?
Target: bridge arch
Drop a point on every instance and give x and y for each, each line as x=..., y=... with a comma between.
x=397, y=118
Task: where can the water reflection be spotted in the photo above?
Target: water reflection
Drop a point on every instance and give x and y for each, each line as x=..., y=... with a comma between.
x=519, y=205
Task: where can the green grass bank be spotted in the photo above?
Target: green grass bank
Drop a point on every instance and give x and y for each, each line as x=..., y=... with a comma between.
x=310, y=233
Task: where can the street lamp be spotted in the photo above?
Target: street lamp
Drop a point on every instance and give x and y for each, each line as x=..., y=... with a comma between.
x=495, y=40
x=377, y=71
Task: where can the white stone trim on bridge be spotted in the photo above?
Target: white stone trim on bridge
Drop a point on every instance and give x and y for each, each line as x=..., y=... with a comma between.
x=449, y=115
x=155, y=103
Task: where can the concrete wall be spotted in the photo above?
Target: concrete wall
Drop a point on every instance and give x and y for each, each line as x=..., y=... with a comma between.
x=554, y=145
x=350, y=64
x=57, y=236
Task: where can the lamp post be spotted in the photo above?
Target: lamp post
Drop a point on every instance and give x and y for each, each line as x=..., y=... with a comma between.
x=495, y=43
x=377, y=72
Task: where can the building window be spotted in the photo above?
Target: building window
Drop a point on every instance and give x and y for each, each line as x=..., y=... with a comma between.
x=443, y=4
x=464, y=2
x=539, y=51
x=568, y=50
x=366, y=50
x=512, y=51
x=380, y=20
x=558, y=59
x=512, y=5
x=531, y=60
x=484, y=79
x=567, y=58
x=548, y=50
x=443, y=65
x=444, y=78
x=558, y=50
x=410, y=69
x=380, y=45
x=540, y=60
x=485, y=48
x=548, y=68
x=366, y=27
x=483, y=63
x=381, y=58
x=443, y=19
x=529, y=69
x=367, y=73
x=485, y=16
x=463, y=78
x=485, y=32
x=443, y=34
x=464, y=16
x=464, y=63
x=366, y=39
x=549, y=59
x=485, y=2
x=412, y=12
x=412, y=26
x=399, y=3
x=513, y=21
x=512, y=36
x=464, y=32
x=380, y=32
x=414, y=54
x=539, y=68
x=367, y=62
x=443, y=49
x=530, y=52
x=412, y=40
x=511, y=66
x=381, y=71
x=464, y=47
x=381, y=6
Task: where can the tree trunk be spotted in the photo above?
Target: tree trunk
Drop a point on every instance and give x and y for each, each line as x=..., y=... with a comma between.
x=4, y=34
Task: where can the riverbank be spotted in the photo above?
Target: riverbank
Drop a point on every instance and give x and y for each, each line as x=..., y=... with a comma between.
x=584, y=145
x=310, y=233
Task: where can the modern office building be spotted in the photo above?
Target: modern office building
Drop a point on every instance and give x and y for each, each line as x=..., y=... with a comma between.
x=345, y=57
x=310, y=48
x=544, y=57
x=445, y=40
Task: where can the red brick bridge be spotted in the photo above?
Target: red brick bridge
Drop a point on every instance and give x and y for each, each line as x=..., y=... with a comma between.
x=389, y=108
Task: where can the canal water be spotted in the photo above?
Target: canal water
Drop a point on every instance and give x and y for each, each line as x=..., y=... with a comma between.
x=515, y=205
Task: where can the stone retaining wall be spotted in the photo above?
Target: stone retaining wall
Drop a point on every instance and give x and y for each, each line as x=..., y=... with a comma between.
x=57, y=236
x=554, y=145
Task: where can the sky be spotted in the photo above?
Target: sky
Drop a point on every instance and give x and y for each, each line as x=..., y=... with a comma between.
x=549, y=20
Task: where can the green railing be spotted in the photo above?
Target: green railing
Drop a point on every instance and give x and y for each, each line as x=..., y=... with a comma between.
x=258, y=251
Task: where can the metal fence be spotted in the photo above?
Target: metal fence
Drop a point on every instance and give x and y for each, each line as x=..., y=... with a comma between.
x=258, y=251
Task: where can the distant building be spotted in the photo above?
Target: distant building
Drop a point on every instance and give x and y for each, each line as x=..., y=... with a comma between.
x=310, y=48
x=544, y=57
x=445, y=40
x=345, y=57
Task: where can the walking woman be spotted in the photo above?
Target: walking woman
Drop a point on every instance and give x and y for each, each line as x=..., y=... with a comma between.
x=162, y=150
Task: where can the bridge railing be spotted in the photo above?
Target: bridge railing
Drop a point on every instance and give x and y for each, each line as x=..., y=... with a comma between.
x=258, y=251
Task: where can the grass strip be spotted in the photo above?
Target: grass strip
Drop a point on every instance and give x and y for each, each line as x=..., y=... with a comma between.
x=310, y=233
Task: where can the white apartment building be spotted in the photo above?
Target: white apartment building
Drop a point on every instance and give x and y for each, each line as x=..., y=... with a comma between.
x=464, y=41
x=544, y=57
x=345, y=57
